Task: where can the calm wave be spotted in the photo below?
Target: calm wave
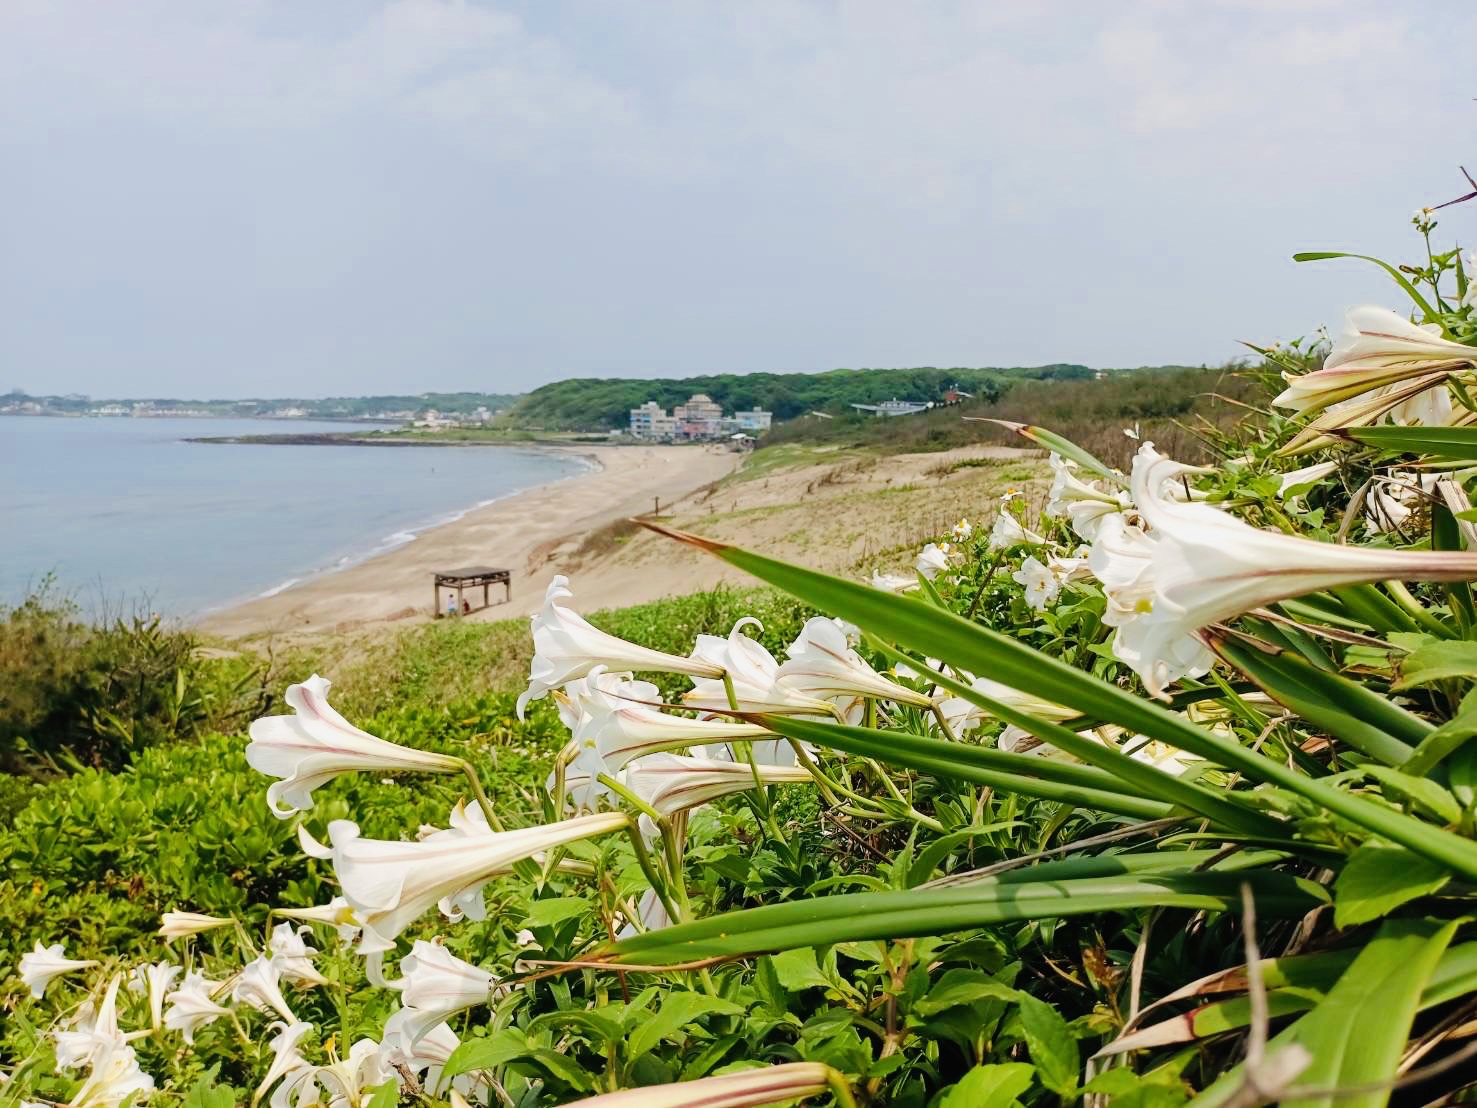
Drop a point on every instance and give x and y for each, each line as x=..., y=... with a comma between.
x=124, y=512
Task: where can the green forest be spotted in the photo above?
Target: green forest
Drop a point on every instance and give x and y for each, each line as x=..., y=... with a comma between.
x=590, y=404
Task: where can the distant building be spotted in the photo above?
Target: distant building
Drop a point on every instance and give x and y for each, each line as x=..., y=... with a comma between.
x=651, y=421
x=894, y=407
x=699, y=420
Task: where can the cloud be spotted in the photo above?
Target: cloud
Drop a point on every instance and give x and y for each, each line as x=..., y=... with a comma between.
x=450, y=192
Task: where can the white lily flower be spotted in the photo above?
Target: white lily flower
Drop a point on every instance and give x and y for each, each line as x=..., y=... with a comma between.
x=291, y=954
x=1009, y=531
x=1376, y=348
x=391, y=884
x=435, y=983
x=784, y=1083
x=613, y=731
x=1364, y=410
x=932, y=560
x=426, y=1054
x=355, y=1075
x=671, y=783
x=1307, y=475
x=315, y=744
x=893, y=582
x=1083, y=503
x=287, y=1062
x=93, y=1031
x=964, y=715
x=174, y=925
x=154, y=981
x=651, y=914
x=192, y=1005
x=567, y=647
x=45, y=964
x=755, y=676
x=336, y=913
x=115, y=1078
x=1207, y=566
x=823, y=665
x=260, y=985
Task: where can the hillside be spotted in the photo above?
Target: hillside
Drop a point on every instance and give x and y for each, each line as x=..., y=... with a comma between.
x=590, y=404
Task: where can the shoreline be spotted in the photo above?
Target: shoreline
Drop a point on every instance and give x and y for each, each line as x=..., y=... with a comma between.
x=527, y=532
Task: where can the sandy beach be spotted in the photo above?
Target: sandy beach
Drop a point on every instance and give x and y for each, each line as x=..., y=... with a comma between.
x=527, y=533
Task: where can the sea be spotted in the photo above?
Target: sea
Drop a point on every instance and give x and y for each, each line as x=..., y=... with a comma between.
x=126, y=515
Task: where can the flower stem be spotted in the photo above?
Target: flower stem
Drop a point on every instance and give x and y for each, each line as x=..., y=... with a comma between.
x=482, y=801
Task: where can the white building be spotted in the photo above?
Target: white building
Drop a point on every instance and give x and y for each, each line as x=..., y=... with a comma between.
x=699, y=420
x=651, y=421
x=894, y=407
x=753, y=420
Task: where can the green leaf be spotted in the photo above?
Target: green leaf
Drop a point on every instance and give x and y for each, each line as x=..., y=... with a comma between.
x=546, y=913
x=857, y=917
x=962, y=986
x=1422, y=790
x=1025, y=775
x=1051, y=1044
x=1445, y=741
x=385, y=1096
x=1400, y=279
x=995, y=1086
x=797, y=969
x=1454, y=443
x=1378, y=878
x=1437, y=662
x=975, y=649
x=1358, y=1032
x=1346, y=709
x=497, y=1049
x=674, y=1012
x=205, y=1093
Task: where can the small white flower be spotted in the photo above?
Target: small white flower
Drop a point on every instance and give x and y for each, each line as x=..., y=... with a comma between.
x=964, y=715
x=1304, y=477
x=932, y=560
x=45, y=964
x=315, y=744
x=963, y=530
x=567, y=647
x=1041, y=584
x=525, y=939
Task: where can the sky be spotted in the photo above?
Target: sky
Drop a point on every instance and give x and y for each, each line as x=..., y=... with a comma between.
x=243, y=197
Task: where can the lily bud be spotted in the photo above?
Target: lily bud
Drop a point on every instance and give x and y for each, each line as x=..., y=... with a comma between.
x=174, y=925
x=1376, y=348
x=671, y=783
x=192, y=1005
x=754, y=674
x=763, y=1085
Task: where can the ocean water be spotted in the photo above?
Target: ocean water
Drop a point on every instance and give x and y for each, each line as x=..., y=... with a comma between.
x=127, y=514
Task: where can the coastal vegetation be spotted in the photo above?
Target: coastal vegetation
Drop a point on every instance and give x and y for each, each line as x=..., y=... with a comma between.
x=1155, y=788
x=604, y=403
